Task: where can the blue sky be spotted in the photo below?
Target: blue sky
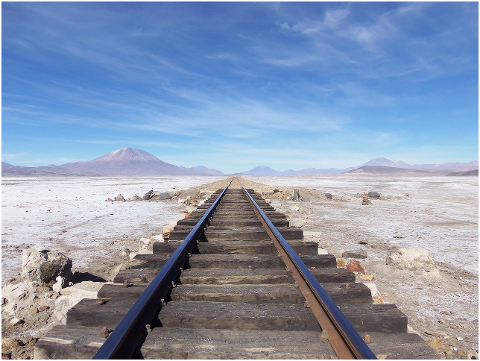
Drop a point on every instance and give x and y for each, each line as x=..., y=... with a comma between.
x=236, y=85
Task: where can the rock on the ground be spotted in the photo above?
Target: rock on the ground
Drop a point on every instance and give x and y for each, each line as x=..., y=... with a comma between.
x=296, y=195
x=164, y=196
x=374, y=195
x=412, y=259
x=135, y=198
x=328, y=196
x=358, y=253
x=145, y=245
x=57, y=287
x=354, y=266
x=120, y=198
x=45, y=266
x=8, y=345
x=148, y=195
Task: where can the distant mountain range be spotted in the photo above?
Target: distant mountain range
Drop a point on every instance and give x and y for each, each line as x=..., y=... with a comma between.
x=136, y=162
x=122, y=162
x=448, y=167
x=267, y=171
x=377, y=165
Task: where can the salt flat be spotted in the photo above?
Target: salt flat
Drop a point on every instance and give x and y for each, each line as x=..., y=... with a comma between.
x=72, y=215
x=439, y=214
x=436, y=213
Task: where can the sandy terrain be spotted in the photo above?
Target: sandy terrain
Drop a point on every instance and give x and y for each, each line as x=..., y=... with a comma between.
x=439, y=214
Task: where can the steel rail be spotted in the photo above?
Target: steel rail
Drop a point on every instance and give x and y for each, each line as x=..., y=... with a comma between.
x=132, y=328
x=343, y=337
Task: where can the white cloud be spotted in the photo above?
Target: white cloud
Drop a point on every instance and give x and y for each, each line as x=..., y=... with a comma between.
x=334, y=18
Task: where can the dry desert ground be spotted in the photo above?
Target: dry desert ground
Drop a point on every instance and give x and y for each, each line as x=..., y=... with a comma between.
x=437, y=214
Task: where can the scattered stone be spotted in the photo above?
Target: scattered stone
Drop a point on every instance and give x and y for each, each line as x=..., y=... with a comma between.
x=165, y=196
x=6, y=356
x=328, y=196
x=157, y=238
x=57, y=287
x=8, y=345
x=377, y=299
x=412, y=259
x=276, y=190
x=367, y=338
x=105, y=332
x=46, y=266
x=135, y=198
x=148, y=195
x=43, y=308
x=126, y=252
x=439, y=345
x=367, y=277
x=119, y=198
x=374, y=195
x=472, y=355
x=166, y=231
x=145, y=244
x=296, y=195
x=34, y=311
x=340, y=263
x=354, y=266
x=459, y=339
x=16, y=321
x=365, y=200
x=359, y=253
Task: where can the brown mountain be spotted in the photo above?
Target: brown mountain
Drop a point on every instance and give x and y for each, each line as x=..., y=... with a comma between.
x=130, y=162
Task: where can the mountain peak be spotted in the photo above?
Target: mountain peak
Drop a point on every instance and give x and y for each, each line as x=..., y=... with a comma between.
x=262, y=170
x=385, y=162
x=125, y=154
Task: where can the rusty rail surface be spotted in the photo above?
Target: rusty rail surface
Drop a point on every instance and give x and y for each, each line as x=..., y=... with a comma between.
x=345, y=340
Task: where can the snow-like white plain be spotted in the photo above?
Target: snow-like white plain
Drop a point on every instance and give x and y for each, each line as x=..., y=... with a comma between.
x=72, y=215
x=439, y=214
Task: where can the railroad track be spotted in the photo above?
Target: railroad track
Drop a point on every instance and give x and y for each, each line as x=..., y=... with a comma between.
x=234, y=281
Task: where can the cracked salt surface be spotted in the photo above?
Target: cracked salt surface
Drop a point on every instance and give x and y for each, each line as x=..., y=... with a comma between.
x=72, y=216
